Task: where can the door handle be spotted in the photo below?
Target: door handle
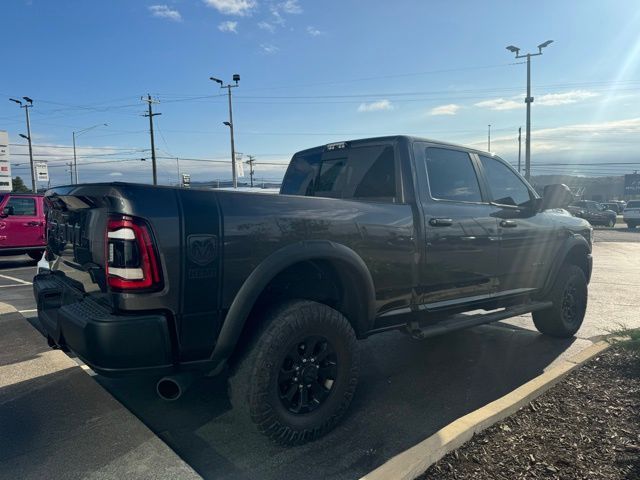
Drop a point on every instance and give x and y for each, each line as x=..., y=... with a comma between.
x=441, y=222
x=33, y=224
x=508, y=224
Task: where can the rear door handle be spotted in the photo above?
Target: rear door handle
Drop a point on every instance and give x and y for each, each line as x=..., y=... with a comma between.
x=441, y=222
x=33, y=224
x=508, y=224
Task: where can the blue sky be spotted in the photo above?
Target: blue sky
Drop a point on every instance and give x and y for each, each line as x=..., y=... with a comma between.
x=313, y=73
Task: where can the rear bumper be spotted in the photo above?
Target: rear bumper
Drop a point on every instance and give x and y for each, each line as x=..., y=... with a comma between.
x=111, y=344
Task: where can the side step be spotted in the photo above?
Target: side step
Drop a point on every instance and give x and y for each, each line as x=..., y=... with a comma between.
x=458, y=322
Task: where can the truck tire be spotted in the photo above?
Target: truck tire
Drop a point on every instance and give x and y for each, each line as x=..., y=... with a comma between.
x=611, y=223
x=35, y=255
x=569, y=297
x=300, y=373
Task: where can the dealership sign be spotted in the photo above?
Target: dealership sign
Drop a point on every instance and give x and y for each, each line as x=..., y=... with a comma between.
x=42, y=172
x=632, y=185
x=5, y=166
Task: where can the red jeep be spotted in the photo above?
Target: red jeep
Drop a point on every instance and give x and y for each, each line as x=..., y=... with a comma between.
x=22, y=225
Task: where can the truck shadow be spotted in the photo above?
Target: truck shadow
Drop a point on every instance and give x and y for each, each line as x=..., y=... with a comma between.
x=408, y=390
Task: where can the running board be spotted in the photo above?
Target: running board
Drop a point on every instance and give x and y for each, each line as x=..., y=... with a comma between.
x=461, y=321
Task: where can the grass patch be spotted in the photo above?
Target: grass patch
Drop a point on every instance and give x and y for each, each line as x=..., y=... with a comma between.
x=627, y=338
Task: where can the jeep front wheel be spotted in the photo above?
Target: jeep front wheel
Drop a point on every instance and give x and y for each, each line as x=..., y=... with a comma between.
x=298, y=377
x=569, y=297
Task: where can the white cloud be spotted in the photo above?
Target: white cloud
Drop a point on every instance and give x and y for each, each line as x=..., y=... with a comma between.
x=228, y=26
x=268, y=48
x=552, y=99
x=232, y=7
x=290, y=6
x=546, y=100
x=449, y=109
x=378, y=106
x=164, y=11
x=500, y=104
x=266, y=26
x=571, y=139
x=116, y=174
x=313, y=31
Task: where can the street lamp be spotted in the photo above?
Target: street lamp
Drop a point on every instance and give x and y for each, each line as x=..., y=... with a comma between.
x=236, y=79
x=27, y=106
x=76, y=134
x=528, y=100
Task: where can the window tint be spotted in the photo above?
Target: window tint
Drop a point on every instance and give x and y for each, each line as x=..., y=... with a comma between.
x=451, y=175
x=360, y=172
x=22, y=206
x=506, y=187
x=301, y=174
x=633, y=205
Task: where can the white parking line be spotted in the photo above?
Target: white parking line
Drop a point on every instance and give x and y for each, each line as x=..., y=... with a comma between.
x=16, y=285
x=28, y=311
x=24, y=282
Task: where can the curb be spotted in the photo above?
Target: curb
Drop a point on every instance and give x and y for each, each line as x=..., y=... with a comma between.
x=417, y=459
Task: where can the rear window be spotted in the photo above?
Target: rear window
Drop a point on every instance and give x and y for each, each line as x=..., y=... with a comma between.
x=634, y=204
x=22, y=206
x=364, y=173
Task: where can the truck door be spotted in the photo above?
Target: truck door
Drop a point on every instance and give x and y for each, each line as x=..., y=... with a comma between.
x=528, y=238
x=21, y=224
x=461, y=254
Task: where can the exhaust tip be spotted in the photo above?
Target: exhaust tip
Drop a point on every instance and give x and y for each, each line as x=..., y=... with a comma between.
x=168, y=389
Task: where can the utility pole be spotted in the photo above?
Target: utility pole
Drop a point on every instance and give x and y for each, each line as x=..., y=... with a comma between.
x=71, y=171
x=528, y=100
x=75, y=159
x=251, y=160
x=150, y=114
x=489, y=139
x=27, y=105
x=519, y=148
x=236, y=79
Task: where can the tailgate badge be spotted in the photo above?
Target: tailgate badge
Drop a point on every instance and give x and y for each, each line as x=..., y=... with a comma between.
x=201, y=249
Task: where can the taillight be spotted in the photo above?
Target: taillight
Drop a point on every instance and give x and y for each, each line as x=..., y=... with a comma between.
x=131, y=259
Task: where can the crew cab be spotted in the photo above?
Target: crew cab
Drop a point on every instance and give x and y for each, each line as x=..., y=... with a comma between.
x=22, y=225
x=365, y=236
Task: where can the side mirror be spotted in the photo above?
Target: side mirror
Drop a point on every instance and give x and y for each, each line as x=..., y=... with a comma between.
x=556, y=196
x=6, y=211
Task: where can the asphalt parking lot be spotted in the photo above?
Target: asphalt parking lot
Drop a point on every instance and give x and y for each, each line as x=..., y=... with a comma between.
x=407, y=391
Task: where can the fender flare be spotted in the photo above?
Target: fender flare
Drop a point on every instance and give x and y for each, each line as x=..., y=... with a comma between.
x=571, y=242
x=274, y=264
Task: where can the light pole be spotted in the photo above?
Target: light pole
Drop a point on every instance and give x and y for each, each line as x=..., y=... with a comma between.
x=74, y=178
x=27, y=105
x=489, y=138
x=236, y=79
x=528, y=100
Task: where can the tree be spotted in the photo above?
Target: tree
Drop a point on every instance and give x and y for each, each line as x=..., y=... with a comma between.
x=19, y=186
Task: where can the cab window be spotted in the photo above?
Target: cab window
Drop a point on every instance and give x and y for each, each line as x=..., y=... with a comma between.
x=451, y=175
x=506, y=187
x=22, y=206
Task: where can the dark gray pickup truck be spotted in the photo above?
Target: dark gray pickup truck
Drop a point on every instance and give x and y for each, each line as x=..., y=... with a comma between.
x=365, y=236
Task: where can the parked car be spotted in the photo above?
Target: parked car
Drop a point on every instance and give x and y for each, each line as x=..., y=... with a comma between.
x=22, y=225
x=614, y=207
x=365, y=236
x=631, y=214
x=593, y=212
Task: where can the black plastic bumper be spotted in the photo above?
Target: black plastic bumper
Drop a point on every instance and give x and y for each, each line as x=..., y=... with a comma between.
x=110, y=344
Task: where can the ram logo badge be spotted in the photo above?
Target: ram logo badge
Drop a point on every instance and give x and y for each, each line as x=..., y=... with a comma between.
x=201, y=249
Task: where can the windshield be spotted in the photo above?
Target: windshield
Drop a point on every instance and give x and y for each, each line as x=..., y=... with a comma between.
x=633, y=204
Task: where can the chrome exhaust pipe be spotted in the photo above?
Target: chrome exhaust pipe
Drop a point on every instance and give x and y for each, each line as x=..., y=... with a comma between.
x=172, y=387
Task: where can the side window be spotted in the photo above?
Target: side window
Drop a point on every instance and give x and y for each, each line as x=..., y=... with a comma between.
x=367, y=173
x=506, y=187
x=451, y=175
x=22, y=206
